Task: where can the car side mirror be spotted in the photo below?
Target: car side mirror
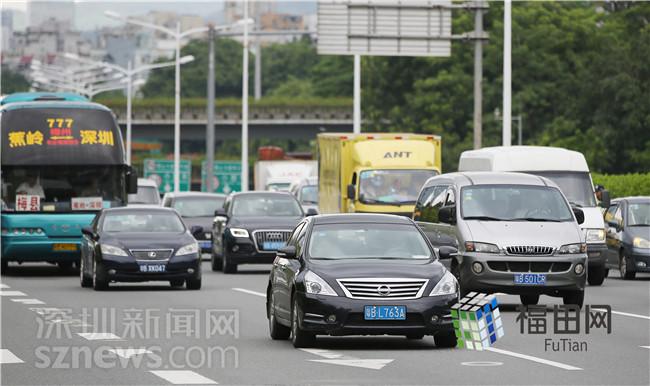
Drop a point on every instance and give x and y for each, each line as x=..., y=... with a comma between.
x=352, y=192
x=580, y=215
x=447, y=214
x=311, y=212
x=88, y=231
x=605, y=200
x=131, y=181
x=221, y=212
x=447, y=252
x=287, y=252
x=196, y=230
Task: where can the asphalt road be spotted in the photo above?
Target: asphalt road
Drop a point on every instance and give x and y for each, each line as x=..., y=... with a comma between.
x=54, y=332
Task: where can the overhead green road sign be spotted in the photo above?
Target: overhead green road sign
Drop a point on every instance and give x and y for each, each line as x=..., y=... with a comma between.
x=226, y=174
x=162, y=171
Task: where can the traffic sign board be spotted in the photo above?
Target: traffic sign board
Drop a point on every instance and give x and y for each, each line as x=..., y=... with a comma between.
x=226, y=174
x=162, y=171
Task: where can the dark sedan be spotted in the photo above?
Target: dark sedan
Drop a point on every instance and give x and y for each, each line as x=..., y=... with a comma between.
x=139, y=244
x=628, y=235
x=251, y=227
x=360, y=274
x=197, y=210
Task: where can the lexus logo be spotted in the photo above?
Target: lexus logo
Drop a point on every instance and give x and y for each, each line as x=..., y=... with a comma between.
x=383, y=290
x=151, y=254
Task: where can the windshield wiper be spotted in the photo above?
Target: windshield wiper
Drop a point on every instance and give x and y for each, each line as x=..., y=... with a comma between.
x=484, y=218
x=639, y=225
x=534, y=219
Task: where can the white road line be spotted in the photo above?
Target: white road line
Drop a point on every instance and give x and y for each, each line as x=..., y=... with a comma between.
x=27, y=301
x=183, y=377
x=334, y=358
x=12, y=293
x=648, y=347
x=631, y=315
x=244, y=290
x=7, y=357
x=323, y=353
x=2, y=285
x=532, y=358
x=98, y=336
x=129, y=352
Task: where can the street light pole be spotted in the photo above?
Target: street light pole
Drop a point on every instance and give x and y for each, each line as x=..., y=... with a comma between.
x=356, y=122
x=244, y=108
x=209, y=135
x=129, y=91
x=177, y=111
x=507, y=73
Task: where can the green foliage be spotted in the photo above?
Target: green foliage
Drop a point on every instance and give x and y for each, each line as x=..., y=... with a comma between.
x=13, y=81
x=624, y=185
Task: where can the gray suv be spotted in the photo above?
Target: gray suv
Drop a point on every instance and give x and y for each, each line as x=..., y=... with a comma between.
x=512, y=233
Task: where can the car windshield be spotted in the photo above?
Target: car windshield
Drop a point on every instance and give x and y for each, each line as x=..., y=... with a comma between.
x=514, y=203
x=145, y=195
x=142, y=222
x=638, y=214
x=576, y=186
x=309, y=194
x=367, y=241
x=197, y=206
x=266, y=205
x=392, y=187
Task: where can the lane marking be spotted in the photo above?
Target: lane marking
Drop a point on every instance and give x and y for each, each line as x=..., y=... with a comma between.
x=334, y=358
x=481, y=364
x=532, y=358
x=648, y=347
x=27, y=301
x=2, y=285
x=323, y=353
x=12, y=293
x=631, y=315
x=244, y=290
x=129, y=352
x=183, y=377
x=7, y=357
x=98, y=336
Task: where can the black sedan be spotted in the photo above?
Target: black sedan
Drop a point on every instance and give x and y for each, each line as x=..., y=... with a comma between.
x=360, y=274
x=251, y=227
x=139, y=244
x=628, y=235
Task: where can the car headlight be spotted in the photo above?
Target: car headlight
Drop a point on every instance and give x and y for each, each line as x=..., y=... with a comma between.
x=594, y=235
x=471, y=246
x=571, y=249
x=189, y=249
x=112, y=250
x=640, y=242
x=239, y=232
x=448, y=285
x=314, y=284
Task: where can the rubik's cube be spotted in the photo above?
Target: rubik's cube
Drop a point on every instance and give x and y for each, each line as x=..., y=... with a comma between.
x=477, y=321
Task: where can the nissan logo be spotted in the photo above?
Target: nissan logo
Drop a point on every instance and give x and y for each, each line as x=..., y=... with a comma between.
x=383, y=290
x=152, y=254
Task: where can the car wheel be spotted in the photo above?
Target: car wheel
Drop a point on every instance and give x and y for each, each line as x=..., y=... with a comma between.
x=100, y=282
x=299, y=337
x=276, y=330
x=193, y=283
x=86, y=282
x=596, y=276
x=529, y=300
x=445, y=339
x=623, y=267
x=455, y=270
x=227, y=265
x=177, y=283
x=574, y=298
x=5, y=265
x=414, y=336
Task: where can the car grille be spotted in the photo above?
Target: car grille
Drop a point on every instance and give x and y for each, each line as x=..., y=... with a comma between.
x=383, y=288
x=272, y=236
x=534, y=266
x=151, y=254
x=529, y=250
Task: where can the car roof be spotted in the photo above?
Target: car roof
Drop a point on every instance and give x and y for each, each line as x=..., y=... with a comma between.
x=368, y=218
x=139, y=209
x=146, y=182
x=522, y=158
x=489, y=178
x=195, y=194
x=634, y=199
x=261, y=193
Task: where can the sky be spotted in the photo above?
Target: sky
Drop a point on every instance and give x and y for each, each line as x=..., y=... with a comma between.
x=89, y=14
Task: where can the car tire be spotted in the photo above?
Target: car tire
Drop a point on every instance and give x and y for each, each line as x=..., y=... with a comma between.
x=4, y=266
x=277, y=331
x=596, y=276
x=446, y=339
x=177, y=283
x=529, y=300
x=100, y=281
x=227, y=265
x=455, y=270
x=623, y=267
x=85, y=280
x=574, y=298
x=193, y=283
x=299, y=337
x=414, y=336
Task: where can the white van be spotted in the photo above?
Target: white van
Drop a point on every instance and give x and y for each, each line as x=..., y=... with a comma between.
x=569, y=170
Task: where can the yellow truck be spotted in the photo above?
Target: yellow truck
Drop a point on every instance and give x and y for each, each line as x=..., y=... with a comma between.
x=374, y=172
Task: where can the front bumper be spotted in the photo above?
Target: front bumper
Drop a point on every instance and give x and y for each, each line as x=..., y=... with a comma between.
x=499, y=272
x=128, y=270
x=639, y=260
x=39, y=248
x=243, y=251
x=350, y=321
x=597, y=255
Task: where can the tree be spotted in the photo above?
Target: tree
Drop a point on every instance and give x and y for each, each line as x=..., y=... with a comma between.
x=13, y=81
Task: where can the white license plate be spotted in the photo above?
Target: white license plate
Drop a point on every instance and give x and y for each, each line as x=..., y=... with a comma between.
x=152, y=268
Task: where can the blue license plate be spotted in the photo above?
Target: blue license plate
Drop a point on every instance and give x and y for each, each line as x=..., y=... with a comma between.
x=530, y=278
x=384, y=313
x=272, y=245
x=205, y=244
x=152, y=268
